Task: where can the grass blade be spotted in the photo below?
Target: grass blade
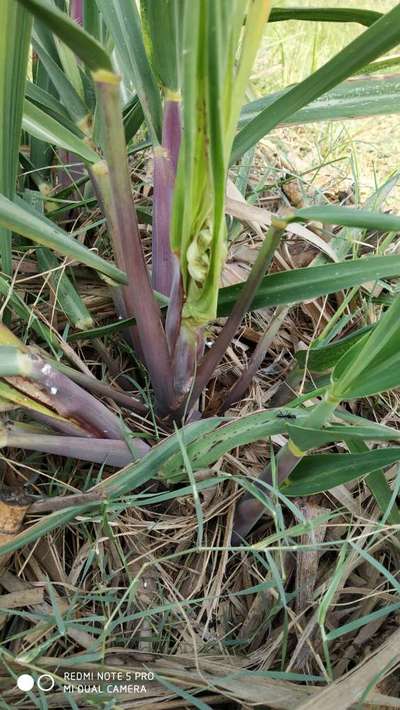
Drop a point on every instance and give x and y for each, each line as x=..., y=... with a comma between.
x=378, y=486
x=348, y=217
x=163, y=47
x=321, y=472
x=66, y=91
x=65, y=293
x=50, y=105
x=372, y=365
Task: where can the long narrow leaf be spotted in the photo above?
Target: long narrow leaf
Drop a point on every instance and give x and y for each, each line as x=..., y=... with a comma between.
x=348, y=217
x=323, y=471
x=65, y=293
x=287, y=287
x=357, y=98
x=82, y=44
x=123, y=21
x=22, y=221
x=50, y=105
x=301, y=284
x=321, y=14
x=66, y=91
x=47, y=129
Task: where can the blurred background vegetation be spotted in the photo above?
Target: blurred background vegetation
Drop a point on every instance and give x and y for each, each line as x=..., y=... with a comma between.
x=364, y=152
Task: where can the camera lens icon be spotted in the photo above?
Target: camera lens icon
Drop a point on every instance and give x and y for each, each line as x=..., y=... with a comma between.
x=45, y=682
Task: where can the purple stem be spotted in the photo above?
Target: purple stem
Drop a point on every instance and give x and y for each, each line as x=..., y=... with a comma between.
x=69, y=175
x=111, y=452
x=121, y=215
x=71, y=401
x=174, y=311
x=66, y=428
x=165, y=263
x=76, y=11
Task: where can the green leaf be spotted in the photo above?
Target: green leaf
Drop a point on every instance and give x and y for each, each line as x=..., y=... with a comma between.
x=133, y=118
x=50, y=105
x=22, y=311
x=371, y=365
x=41, y=528
x=328, y=14
x=23, y=221
x=375, y=41
x=379, y=486
x=311, y=438
x=66, y=91
x=14, y=48
x=346, y=240
x=163, y=47
x=138, y=473
x=123, y=22
x=351, y=99
x=225, y=436
x=82, y=44
x=299, y=285
x=216, y=63
x=324, y=357
x=39, y=124
x=362, y=621
x=314, y=474
x=287, y=287
x=348, y=217
x=381, y=65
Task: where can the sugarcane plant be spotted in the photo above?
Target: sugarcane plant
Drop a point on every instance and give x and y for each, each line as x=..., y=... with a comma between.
x=97, y=82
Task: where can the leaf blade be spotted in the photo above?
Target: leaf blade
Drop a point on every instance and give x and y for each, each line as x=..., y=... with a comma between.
x=321, y=472
x=84, y=45
x=350, y=99
x=39, y=124
x=22, y=221
x=295, y=286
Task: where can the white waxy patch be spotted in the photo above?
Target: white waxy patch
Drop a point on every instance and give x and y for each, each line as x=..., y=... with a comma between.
x=46, y=369
x=53, y=390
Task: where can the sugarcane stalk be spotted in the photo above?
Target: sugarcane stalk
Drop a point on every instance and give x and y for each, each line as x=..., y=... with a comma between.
x=121, y=216
x=101, y=388
x=76, y=11
x=165, y=264
x=61, y=394
x=112, y=452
